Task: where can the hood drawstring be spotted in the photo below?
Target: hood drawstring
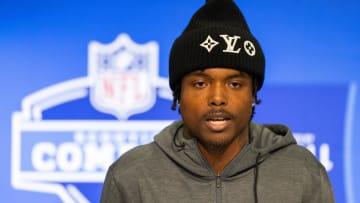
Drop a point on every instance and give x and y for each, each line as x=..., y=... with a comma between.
x=256, y=172
x=177, y=144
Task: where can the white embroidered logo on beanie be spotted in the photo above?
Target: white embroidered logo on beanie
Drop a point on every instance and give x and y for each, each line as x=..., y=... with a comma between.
x=230, y=43
x=209, y=43
x=249, y=48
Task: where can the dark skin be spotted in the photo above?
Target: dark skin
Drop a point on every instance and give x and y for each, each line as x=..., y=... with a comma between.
x=216, y=107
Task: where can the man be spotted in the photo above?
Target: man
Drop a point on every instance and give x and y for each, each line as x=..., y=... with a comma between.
x=216, y=153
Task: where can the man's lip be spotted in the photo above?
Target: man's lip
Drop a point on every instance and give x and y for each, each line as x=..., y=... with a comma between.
x=217, y=115
x=217, y=125
x=217, y=120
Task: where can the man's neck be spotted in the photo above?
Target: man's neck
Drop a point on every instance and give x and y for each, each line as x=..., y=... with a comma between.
x=220, y=158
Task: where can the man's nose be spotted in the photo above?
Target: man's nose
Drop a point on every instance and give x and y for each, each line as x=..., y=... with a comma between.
x=217, y=95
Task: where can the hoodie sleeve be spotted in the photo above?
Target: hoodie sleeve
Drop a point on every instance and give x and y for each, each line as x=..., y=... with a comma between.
x=120, y=185
x=318, y=188
x=326, y=192
x=110, y=192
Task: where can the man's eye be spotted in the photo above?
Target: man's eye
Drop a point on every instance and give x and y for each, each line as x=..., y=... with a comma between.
x=199, y=84
x=235, y=84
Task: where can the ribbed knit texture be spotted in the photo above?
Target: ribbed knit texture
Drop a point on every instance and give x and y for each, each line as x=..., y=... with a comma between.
x=216, y=18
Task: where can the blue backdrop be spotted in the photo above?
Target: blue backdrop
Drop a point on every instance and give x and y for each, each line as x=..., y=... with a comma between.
x=52, y=120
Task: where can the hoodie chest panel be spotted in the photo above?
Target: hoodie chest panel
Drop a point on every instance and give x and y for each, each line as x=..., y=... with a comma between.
x=281, y=180
x=239, y=189
x=176, y=188
x=172, y=184
x=176, y=185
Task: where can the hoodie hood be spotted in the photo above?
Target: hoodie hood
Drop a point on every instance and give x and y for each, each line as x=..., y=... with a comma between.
x=264, y=139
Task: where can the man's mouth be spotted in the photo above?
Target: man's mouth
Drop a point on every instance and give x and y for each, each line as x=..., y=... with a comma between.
x=217, y=123
x=218, y=119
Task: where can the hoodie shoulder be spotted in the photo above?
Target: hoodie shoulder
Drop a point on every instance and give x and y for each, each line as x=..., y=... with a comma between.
x=268, y=138
x=144, y=155
x=302, y=156
x=134, y=157
x=271, y=138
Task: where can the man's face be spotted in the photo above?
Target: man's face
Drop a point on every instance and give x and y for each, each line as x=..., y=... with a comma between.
x=216, y=106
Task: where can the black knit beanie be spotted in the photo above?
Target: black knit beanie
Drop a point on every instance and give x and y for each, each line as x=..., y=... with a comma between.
x=216, y=36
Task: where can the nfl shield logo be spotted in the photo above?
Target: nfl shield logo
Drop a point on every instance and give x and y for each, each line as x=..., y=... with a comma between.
x=123, y=76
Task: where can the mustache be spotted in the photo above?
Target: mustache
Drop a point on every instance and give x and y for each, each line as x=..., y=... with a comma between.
x=218, y=114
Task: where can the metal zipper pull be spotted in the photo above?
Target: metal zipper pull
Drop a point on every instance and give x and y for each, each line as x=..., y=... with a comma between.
x=218, y=181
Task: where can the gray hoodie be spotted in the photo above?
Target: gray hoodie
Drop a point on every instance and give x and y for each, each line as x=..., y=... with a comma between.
x=270, y=169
